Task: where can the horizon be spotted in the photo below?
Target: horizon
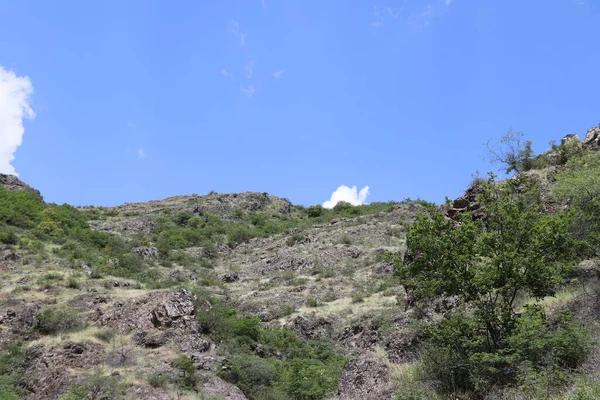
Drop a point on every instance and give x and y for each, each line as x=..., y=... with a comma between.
x=114, y=103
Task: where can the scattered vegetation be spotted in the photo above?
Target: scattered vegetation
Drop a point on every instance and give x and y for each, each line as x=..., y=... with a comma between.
x=284, y=367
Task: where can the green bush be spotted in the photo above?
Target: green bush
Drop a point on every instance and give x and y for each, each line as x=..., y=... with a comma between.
x=105, y=335
x=187, y=372
x=315, y=211
x=52, y=321
x=13, y=364
x=8, y=236
x=157, y=380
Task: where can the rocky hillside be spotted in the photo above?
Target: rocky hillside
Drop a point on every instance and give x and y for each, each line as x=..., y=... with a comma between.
x=247, y=296
x=118, y=300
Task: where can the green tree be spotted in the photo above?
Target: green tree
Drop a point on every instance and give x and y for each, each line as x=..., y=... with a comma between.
x=484, y=264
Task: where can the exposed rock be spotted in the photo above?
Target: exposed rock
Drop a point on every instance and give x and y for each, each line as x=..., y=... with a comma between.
x=571, y=137
x=468, y=202
x=360, y=336
x=230, y=277
x=366, y=380
x=402, y=347
x=48, y=374
x=592, y=138
x=12, y=183
x=146, y=253
x=9, y=255
x=160, y=309
x=311, y=327
x=217, y=388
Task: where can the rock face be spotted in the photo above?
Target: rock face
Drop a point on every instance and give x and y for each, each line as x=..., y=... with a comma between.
x=12, y=183
x=467, y=202
x=366, y=380
x=592, y=138
x=146, y=253
x=158, y=310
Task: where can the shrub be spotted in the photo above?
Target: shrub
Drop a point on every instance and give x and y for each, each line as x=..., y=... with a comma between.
x=8, y=236
x=13, y=364
x=315, y=211
x=73, y=283
x=96, y=386
x=312, y=302
x=51, y=321
x=187, y=371
x=157, y=380
x=105, y=335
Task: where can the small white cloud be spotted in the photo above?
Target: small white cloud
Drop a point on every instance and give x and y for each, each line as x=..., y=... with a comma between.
x=393, y=14
x=141, y=153
x=349, y=195
x=15, y=93
x=249, y=68
x=263, y=3
x=447, y=2
x=131, y=125
x=234, y=27
x=377, y=18
x=278, y=74
x=225, y=73
x=248, y=91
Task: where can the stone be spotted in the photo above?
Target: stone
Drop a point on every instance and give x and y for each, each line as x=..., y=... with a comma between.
x=592, y=138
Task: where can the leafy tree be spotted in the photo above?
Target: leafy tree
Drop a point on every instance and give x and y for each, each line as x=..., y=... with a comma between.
x=484, y=264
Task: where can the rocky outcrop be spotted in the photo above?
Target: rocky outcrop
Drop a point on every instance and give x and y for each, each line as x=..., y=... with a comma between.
x=312, y=328
x=592, y=138
x=468, y=202
x=146, y=253
x=366, y=380
x=12, y=183
x=158, y=310
x=48, y=375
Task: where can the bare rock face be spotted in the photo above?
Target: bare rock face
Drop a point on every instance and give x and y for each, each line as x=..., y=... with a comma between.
x=467, y=202
x=217, y=388
x=158, y=310
x=146, y=253
x=49, y=367
x=312, y=328
x=14, y=184
x=592, y=138
x=366, y=380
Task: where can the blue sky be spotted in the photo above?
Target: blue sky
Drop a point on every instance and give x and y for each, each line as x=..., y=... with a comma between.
x=140, y=100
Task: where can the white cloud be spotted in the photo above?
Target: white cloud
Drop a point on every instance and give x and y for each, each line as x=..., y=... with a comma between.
x=263, y=3
x=431, y=12
x=249, y=68
x=393, y=14
x=234, y=27
x=15, y=92
x=349, y=195
x=248, y=91
x=225, y=73
x=141, y=153
x=377, y=18
x=278, y=74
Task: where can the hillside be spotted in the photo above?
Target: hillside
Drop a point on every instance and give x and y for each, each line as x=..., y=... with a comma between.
x=248, y=296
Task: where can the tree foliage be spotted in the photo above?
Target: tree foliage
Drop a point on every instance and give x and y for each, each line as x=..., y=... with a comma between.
x=485, y=265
